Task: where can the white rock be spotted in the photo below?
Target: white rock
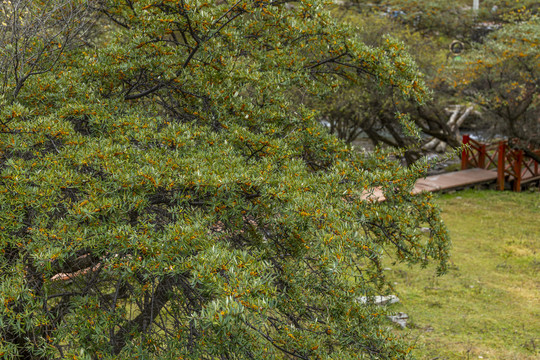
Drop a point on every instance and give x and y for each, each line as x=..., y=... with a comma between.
x=400, y=319
x=425, y=230
x=380, y=300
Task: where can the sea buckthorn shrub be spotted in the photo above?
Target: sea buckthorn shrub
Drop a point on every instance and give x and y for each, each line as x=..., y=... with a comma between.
x=161, y=196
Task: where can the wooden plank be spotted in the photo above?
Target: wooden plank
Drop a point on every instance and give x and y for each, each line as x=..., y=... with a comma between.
x=425, y=185
x=455, y=180
x=530, y=179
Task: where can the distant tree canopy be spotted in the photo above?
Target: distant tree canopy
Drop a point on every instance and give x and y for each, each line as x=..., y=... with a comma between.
x=493, y=81
x=367, y=108
x=162, y=195
x=446, y=18
x=502, y=76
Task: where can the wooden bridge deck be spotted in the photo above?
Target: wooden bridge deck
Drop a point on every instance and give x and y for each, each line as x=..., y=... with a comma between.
x=512, y=166
x=454, y=180
x=446, y=181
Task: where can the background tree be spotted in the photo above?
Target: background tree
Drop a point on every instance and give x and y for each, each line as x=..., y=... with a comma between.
x=164, y=197
x=502, y=76
x=454, y=19
x=367, y=109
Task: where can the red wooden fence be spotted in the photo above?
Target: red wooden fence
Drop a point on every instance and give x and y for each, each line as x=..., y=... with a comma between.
x=511, y=164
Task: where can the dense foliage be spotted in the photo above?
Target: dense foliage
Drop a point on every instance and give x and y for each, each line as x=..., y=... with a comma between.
x=162, y=196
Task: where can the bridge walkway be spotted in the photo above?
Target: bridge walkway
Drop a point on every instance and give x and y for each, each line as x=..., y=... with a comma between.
x=444, y=182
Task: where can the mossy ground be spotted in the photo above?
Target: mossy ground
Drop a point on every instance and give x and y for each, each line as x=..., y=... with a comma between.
x=488, y=304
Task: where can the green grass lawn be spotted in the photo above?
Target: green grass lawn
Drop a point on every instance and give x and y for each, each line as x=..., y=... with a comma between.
x=488, y=304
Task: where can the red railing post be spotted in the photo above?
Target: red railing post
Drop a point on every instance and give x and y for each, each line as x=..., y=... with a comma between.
x=464, y=153
x=482, y=156
x=500, y=165
x=517, y=170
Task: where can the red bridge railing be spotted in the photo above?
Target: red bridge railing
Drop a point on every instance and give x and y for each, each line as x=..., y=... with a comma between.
x=512, y=165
